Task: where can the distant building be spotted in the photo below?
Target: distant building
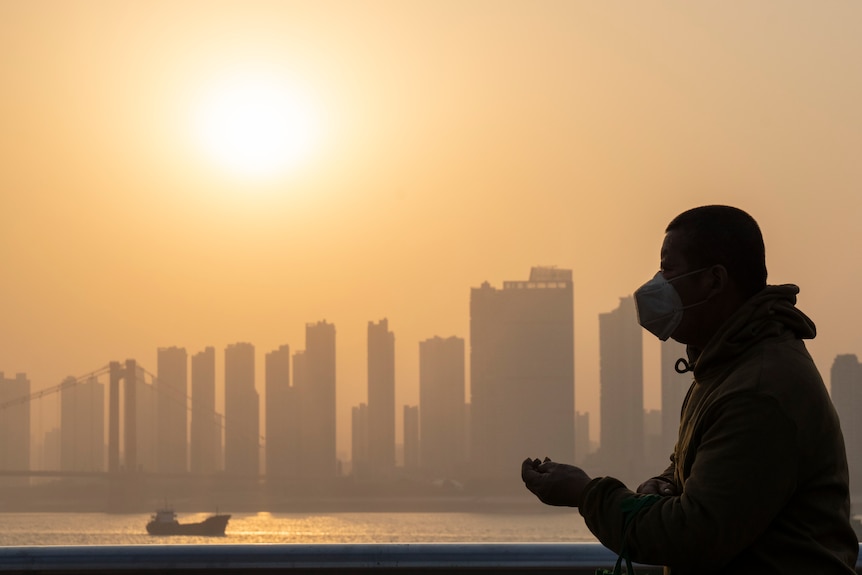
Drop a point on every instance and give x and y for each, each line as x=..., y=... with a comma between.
x=582, y=436
x=242, y=412
x=82, y=425
x=521, y=373
x=314, y=377
x=15, y=426
x=359, y=439
x=655, y=457
x=282, y=415
x=145, y=456
x=674, y=387
x=846, y=391
x=49, y=454
x=172, y=388
x=381, y=396
x=206, y=441
x=442, y=433
x=621, y=392
x=411, y=436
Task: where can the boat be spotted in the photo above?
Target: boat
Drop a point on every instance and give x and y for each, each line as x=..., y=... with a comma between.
x=164, y=522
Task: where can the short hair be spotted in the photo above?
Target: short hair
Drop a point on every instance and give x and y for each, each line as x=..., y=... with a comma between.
x=727, y=236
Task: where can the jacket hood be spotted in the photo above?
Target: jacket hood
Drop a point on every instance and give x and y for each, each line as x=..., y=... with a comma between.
x=767, y=314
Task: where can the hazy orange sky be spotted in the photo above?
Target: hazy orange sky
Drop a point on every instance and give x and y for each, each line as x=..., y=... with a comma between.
x=452, y=142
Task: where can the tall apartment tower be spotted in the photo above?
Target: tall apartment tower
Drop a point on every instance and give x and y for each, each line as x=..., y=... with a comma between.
x=282, y=415
x=582, y=436
x=442, y=420
x=82, y=425
x=205, y=444
x=411, y=436
x=381, y=396
x=846, y=388
x=314, y=377
x=521, y=373
x=142, y=452
x=621, y=392
x=15, y=427
x=242, y=412
x=359, y=439
x=674, y=387
x=172, y=388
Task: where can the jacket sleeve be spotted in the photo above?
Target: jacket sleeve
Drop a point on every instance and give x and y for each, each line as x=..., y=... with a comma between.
x=743, y=473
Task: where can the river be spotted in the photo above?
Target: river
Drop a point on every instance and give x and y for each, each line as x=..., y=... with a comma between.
x=18, y=529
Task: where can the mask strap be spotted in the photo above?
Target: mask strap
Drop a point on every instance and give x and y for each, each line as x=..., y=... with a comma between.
x=686, y=366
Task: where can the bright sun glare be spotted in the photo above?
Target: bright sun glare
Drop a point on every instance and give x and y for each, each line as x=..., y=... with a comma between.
x=256, y=126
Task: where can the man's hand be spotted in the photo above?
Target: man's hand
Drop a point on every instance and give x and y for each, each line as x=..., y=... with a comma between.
x=554, y=483
x=658, y=486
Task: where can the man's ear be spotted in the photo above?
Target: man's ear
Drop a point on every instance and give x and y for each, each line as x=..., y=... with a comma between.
x=718, y=278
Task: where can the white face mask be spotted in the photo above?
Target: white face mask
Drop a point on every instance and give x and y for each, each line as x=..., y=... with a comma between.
x=659, y=306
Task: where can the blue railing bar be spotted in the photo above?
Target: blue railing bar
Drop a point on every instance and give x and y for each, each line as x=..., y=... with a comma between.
x=510, y=558
x=574, y=558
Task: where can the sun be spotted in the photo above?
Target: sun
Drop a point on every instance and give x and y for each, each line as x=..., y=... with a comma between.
x=255, y=125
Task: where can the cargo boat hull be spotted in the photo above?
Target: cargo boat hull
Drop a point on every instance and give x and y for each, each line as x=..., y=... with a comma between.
x=164, y=522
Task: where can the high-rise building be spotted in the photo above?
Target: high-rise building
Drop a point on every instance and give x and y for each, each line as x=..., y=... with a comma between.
x=206, y=442
x=242, y=412
x=381, y=396
x=282, y=415
x=314, y=377
x=674, y=387
x=144, y=456
x=15, y=426
x=521, y=373
x=441, y=407
x=411, y=436
x=359, y=439
x=846, y=391
x=82, y=425
x=655, y=457
x=621, y=392
x=582, y=436
x=171, y=387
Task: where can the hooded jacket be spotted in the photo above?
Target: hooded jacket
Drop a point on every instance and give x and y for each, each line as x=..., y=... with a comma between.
x=759, y=463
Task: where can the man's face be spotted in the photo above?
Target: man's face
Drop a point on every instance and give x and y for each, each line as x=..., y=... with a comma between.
x=692, y=289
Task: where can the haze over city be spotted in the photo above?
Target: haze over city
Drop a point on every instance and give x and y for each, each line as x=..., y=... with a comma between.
x=402, y=153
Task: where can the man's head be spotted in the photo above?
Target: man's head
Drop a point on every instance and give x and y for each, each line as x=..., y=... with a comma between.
x=713, y=257
x=722, y=235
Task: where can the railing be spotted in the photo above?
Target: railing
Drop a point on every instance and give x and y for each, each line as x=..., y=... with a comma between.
x=330, y=559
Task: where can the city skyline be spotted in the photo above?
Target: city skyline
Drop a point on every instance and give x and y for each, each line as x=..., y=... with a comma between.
x=621, y=380
x=667, y=355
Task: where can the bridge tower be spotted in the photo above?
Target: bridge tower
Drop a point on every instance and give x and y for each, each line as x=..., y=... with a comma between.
x=130, y=436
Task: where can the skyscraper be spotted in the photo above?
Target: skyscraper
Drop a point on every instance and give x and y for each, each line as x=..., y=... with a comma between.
x=171, y=387
x=206, y=440
x=411, y=436
x=15, y=426
x=846, y=388
x=442, y=433
x=381, y=396
x=521, y=373
x=82, y=425
x=142, y=451
x=582, y=436
x=282, y=415
x=315, y=379
x=242, y=411
x=621, y=392
x=359, y=439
